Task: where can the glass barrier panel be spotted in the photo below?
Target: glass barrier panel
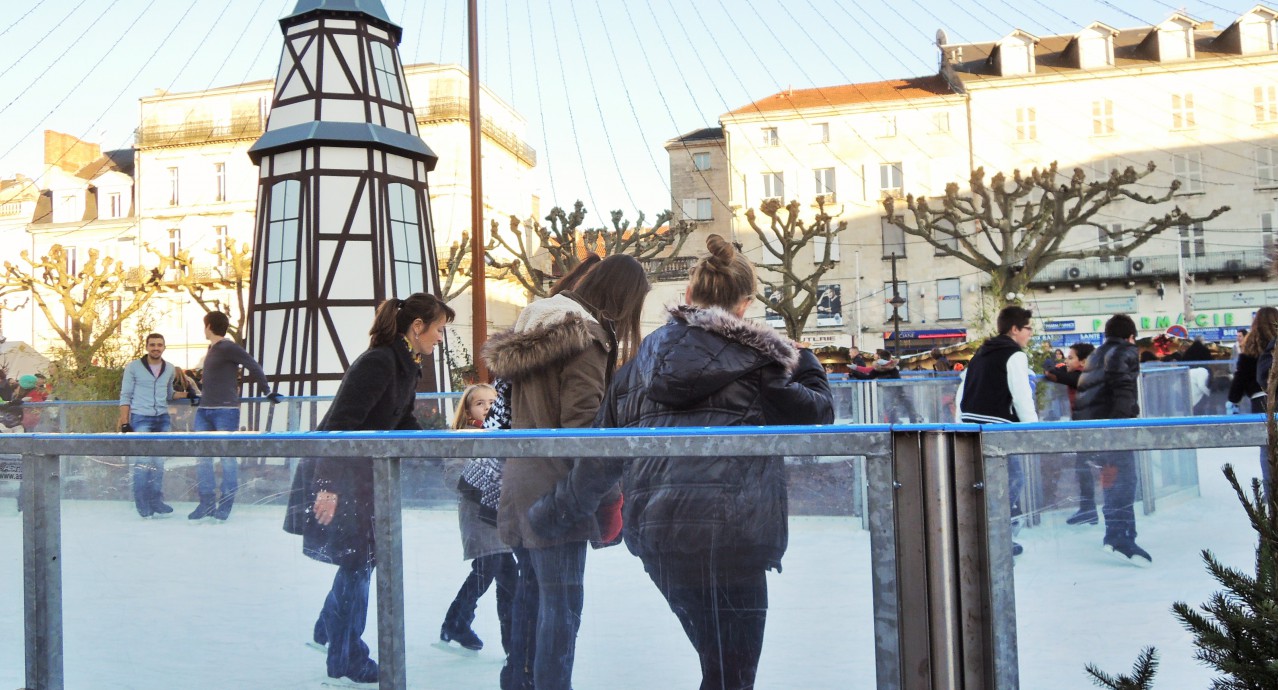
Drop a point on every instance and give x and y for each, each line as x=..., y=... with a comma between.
x=12, y=645
x=819, y=619
x=1167, y=391
x=1080, y=603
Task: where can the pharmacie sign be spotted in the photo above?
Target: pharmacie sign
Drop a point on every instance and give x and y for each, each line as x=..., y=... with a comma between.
x=1160, y=322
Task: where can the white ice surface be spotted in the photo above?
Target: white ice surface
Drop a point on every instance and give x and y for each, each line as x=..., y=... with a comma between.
x=163, y=604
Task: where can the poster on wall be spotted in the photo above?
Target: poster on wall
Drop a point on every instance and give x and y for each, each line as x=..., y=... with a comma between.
x=829, y=307
x=771, y=317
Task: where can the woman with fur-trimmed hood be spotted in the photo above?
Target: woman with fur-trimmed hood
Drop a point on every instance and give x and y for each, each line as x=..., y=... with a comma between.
x=559, y=359
x=706, y=529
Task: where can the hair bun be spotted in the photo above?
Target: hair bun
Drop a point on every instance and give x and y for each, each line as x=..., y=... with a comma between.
x=721, y=250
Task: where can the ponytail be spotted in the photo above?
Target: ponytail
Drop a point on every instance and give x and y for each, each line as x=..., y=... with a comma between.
x=394, y=316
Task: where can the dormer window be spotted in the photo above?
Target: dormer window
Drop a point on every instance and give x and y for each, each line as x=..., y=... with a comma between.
x=115, y=205
x=1015, y=54
x=68, y=207
x=1258, y=31
x=1175, y=38
x=1095, y=46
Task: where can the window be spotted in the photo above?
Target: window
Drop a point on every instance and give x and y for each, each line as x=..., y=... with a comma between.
x=1102, y=169
x=821, y=133
x=890, y=180
x=770, y=136
x=700, y=161
x=1102, y=117
x=949, y=297
x=946, y=234
x=1188, y=168
x=696, y=209
x=73, y=260
x=889, y=126
x=385, y=72
x=220, y=245
x=1192, y=243
x=115, y=205
x=903, y=291
x=175, y=242
x=1107, y=240
x=1026, y=124
x=1094, y=51
x=115, y=306
x=824, y=183
x=893, y=238
x=173, y=187
x=219, y=181
x=1266, y=166
x=774, y=185
x=1267, y=104
x=1182, y=111
x=941, y=122
x=1267, y=232
x=283, y=220
x=406, y=240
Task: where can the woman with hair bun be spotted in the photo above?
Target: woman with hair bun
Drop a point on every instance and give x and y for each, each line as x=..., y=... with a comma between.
x=706, y=529
x=331, y=504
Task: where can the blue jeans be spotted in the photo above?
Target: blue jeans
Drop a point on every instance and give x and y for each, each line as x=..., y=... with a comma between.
x=217, y=419
x=550, y=591
x=341, y=621
x=1120, y=494
x=148, y=472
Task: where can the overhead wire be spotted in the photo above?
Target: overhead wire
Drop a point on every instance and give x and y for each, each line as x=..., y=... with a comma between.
x=91, y=25
x=40, y=38
x=35, y=6
x=572, y=118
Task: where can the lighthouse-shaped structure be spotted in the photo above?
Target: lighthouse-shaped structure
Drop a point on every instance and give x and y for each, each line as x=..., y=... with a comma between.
x=343, y=214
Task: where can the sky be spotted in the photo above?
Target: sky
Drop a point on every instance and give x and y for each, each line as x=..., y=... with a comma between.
x=602, y=85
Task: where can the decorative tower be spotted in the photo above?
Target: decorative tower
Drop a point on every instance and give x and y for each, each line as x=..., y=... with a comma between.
x=343, y=214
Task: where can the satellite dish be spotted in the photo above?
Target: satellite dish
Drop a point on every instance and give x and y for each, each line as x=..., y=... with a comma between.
x=941, y=38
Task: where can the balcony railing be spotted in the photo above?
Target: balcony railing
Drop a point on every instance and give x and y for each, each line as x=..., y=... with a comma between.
x=1137, y=268
x=440, y=109
x=199, y=132
x=672, y=268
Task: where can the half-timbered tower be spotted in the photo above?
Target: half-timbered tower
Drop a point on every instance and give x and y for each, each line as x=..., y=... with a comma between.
x=343, y=217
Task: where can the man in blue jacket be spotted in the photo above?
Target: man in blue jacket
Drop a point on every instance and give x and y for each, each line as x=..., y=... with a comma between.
x=145, y=393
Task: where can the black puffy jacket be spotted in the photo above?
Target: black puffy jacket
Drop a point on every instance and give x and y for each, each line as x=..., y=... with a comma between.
x=708, y=368
x=1107, y=386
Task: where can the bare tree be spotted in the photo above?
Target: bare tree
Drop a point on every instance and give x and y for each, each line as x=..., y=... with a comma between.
x=794, y=294
x=567, y=243
x=455, y=269
x=1013, y=229
x=92, y=301
x=229, y=268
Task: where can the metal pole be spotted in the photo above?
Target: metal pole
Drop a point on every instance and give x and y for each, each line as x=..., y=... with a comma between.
x=941, y=553
x=388, y=533
x=478, y=296
x=896, y=313
x=42, y=570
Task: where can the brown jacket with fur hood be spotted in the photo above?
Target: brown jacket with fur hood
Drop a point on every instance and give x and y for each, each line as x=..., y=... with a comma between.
x=557, y=358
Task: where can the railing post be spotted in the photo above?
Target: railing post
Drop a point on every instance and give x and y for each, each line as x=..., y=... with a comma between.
x=42, y=570
x=388, y=532
x=940, y=535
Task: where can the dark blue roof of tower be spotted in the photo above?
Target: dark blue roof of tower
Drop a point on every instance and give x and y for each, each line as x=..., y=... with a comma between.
x=372, y=8
x=348, y=134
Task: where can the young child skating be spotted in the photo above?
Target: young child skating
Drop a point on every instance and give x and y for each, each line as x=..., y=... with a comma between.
x=490, y=557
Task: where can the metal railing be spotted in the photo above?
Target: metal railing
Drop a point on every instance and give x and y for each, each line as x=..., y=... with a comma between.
x=438, y=109
x=944, y=605
x=199, y=131
x=1136, y=268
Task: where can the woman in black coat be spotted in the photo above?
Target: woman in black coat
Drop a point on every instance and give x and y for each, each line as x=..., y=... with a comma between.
x=706, y=529
x=331, y=504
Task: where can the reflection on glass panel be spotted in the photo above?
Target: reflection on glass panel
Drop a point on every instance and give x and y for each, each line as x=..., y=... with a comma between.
x=11, y=590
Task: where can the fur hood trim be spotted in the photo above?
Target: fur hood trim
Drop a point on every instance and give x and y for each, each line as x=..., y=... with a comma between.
x=752, y=335
x=548, y=333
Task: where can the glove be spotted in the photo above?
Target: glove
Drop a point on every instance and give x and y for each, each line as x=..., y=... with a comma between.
x=274, y=397
x=1231, y=408
x=126, y=428
x=194, y=400
x=549, y=521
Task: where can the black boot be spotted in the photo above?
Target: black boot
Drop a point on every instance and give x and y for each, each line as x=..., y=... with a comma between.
x=208, y=505
x=457, y=627
x=223, y=510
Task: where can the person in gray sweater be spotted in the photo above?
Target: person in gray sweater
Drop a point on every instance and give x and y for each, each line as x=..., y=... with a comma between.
x=145, y=392
x=219, y=410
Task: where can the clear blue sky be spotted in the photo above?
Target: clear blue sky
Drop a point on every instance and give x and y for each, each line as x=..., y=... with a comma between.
x=636, y=72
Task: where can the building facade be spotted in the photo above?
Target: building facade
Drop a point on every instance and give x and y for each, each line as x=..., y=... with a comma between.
x=1197, y=101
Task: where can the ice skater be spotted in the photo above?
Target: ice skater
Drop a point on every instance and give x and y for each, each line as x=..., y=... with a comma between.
x=331, y=502
x=489, y=556
x=145, y=392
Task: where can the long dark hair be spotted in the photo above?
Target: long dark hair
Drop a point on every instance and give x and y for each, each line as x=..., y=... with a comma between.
x=394, y=316
x=1264, y=328
x=570, y=279
x=615, y=289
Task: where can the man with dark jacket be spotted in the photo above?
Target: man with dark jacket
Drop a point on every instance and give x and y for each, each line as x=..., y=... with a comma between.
x=995, y=389
x=1067, y=375
x=1107, y=390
